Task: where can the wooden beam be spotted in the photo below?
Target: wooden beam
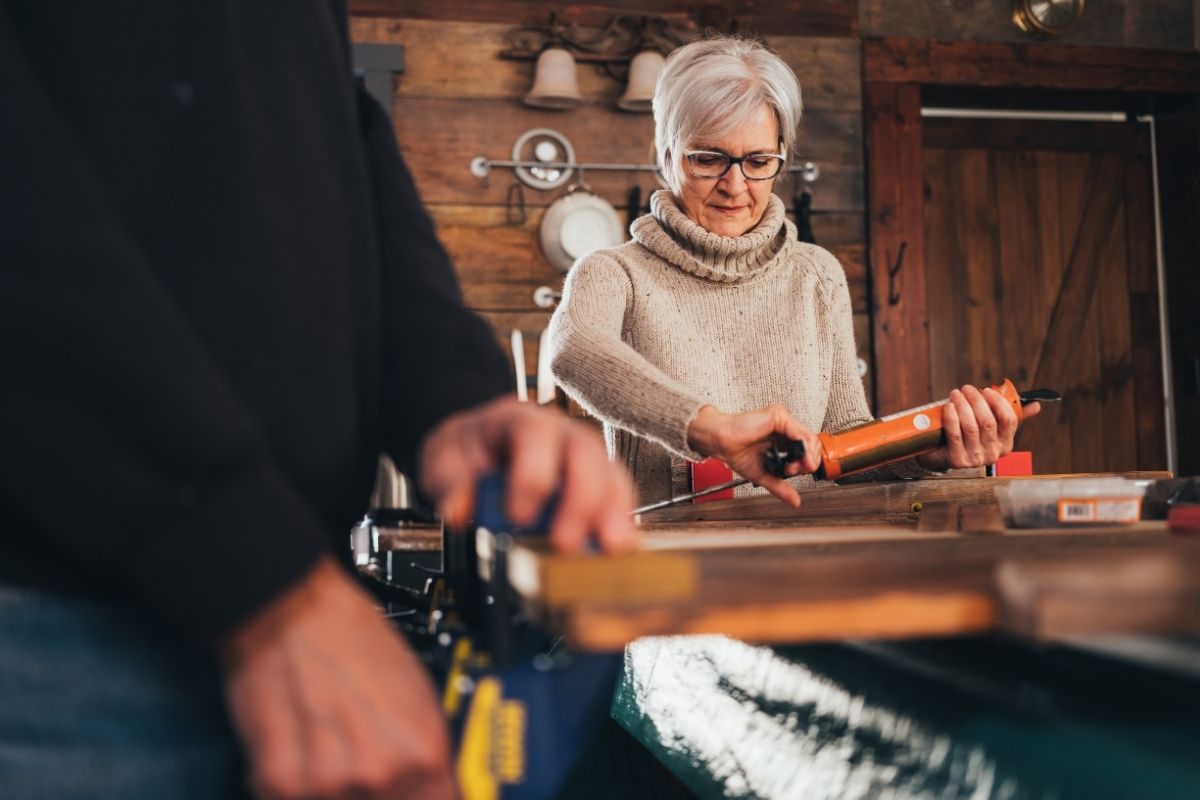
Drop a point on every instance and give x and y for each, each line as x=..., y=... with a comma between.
x=800, y=586
x=1046, y=66
x=793, y=17
x=896, y=231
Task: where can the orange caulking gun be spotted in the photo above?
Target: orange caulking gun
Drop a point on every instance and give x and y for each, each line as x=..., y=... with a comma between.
x=892, y=438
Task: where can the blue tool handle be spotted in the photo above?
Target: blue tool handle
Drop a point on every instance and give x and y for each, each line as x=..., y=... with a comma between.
x=489, y=508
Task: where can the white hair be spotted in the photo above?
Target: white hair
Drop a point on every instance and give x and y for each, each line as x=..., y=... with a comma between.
x=711, y=87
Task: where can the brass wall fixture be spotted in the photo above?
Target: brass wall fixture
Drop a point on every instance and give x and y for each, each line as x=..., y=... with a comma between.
x=630, y=49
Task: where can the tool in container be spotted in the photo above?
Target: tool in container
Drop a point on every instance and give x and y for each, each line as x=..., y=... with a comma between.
x=873, y=444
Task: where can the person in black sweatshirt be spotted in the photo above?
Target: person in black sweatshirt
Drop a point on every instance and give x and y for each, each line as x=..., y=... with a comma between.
x=220, y=299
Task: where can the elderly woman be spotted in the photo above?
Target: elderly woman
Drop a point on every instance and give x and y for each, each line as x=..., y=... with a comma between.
x=714, y=329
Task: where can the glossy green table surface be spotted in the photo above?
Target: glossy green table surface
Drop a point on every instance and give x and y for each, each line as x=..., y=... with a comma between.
x=960, y=718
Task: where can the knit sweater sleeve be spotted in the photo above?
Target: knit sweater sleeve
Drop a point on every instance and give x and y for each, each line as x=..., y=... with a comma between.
x=847, y=400
x=593, y=363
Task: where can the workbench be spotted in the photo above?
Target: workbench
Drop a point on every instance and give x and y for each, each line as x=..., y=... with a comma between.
x=945, y=661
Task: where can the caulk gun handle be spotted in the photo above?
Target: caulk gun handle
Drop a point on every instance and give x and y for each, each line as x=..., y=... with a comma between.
x=778, y=456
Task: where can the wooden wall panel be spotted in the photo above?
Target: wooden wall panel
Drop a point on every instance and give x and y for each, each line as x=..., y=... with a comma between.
x=898, y=302
x=1112, y=23
x=1034, y=66
x=459, y=59
x=439, y=137
x=778, y=17
x=457, y=99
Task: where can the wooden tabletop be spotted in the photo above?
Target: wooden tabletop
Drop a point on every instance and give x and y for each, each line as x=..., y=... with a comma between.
x=820, y=574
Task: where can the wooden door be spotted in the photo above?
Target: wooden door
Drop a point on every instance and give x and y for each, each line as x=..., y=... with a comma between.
x=1040, y=266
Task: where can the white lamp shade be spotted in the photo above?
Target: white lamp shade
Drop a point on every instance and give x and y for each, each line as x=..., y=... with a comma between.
x=643, y=75
x=555, y=84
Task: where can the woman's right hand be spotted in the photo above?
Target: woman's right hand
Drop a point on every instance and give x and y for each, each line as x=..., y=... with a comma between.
x=742, y=440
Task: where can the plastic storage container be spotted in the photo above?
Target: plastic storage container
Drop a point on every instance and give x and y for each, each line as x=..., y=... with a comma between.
x=1064, y=502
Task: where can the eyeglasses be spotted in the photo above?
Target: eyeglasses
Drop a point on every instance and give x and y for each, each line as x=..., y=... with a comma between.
x=714, y=164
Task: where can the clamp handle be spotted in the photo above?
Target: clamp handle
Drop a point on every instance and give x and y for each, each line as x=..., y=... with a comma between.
x=489, y=508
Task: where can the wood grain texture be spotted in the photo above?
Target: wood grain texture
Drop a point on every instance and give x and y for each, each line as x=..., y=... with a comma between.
x=1006, y=211
x=824, y=503
x=440, y=136
x=896, y=220
x=1147, y=591
x=448, y=58
x=789, y=17
x=1083, y=268
x=805, y=591
x=1034, y=66
x=1144, y=323
x=1115, y=23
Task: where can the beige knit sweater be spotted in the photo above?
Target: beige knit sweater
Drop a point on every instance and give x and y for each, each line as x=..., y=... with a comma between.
x=678, y=318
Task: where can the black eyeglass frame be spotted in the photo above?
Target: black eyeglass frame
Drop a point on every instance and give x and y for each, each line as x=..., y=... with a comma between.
x=780, y=160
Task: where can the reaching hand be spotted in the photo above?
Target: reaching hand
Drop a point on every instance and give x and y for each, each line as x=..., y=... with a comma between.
x=330, y=703
x=741, y=441
x=543, y=450
x=979, y=427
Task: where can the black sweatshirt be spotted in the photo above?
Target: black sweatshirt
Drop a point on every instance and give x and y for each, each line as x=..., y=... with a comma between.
x=220, y=299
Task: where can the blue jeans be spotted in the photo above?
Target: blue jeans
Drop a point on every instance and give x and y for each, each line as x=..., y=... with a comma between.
x=92, y=706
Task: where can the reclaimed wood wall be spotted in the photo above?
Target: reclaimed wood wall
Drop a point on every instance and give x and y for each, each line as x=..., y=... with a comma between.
x=1109, y=23
x=457, y=99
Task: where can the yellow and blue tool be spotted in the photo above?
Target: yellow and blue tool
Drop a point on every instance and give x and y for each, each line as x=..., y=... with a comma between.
x=522, y=707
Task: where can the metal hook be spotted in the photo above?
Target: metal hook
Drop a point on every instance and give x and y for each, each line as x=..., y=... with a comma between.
x=893, y=271
x=514, y=208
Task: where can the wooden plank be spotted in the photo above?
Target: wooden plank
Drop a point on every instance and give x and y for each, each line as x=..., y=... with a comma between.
x=943, y=255
x=1116, y=23
x=466, y=128
x=938, y=517
x=794, y=593
x=1027, y=135
x=1150, y=591
x=905, y=61
x=796, y=539
x=1145, y=334
x=889, y=615
x=808, y=17
x=557, y=580
x=446, y=58
x=980, y=304
x=896, y=229
x=1030, y=234
x=1059, y=355
x=827, y=501
x=1116, y=424
x=981, y=519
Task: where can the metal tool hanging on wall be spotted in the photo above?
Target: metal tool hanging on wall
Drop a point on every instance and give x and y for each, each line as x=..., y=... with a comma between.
x=543, y=159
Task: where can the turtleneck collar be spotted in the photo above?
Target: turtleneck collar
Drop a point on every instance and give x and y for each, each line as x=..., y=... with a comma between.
x=670, y=234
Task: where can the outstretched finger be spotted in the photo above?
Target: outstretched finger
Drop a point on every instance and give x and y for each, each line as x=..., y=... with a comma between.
x=615, y=529
x=781, y=489
x=535, y=447
x=581, y=496
x=956, y=453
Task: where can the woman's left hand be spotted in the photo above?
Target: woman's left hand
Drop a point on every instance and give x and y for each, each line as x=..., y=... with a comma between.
x=978, y=427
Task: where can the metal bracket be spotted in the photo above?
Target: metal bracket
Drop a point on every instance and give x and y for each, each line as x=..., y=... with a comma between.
x=376, y=65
